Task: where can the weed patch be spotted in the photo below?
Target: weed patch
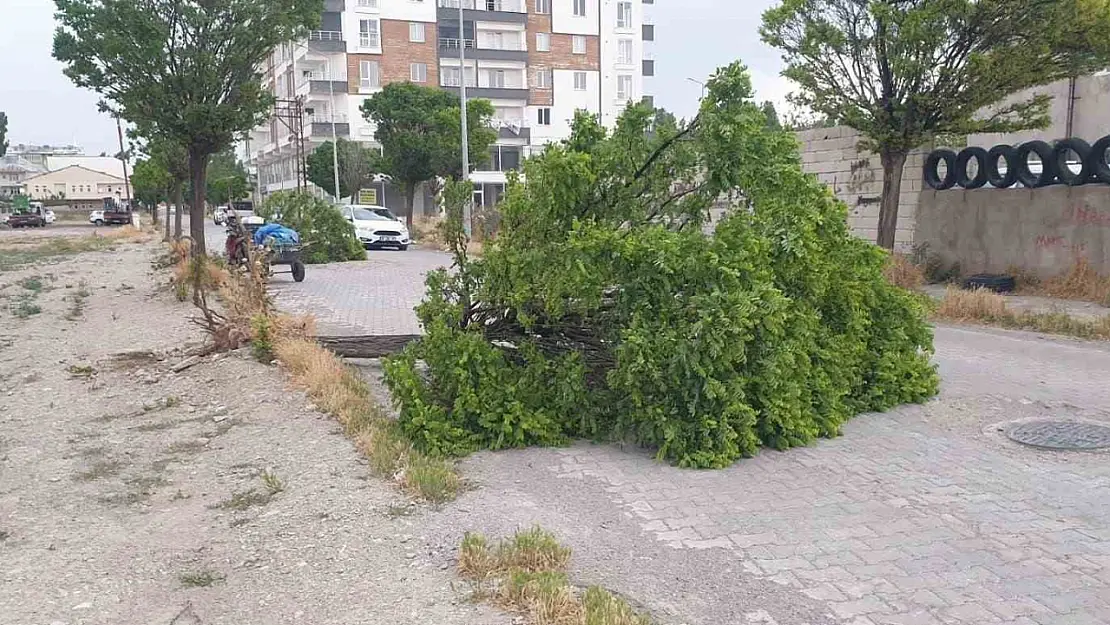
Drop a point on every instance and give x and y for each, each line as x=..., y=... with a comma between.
x=900, y=270
x=16, y=256
x=33, y=284
x=1081, y=282
x=528, y=573
x=81, y=371
x=24, y=307
x=987, y=308
x=341, y=392
x=200, y=579
x=77, y=302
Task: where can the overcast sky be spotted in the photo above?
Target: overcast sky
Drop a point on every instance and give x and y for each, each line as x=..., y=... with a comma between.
x=693, y=37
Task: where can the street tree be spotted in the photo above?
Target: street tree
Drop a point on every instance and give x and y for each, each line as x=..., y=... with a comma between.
x=149, y=182
x=902, y=72
x=3, y=133
x=186, y=70
x=771, y=114
x=357, y=166
x=420, y=131
x=227, y=178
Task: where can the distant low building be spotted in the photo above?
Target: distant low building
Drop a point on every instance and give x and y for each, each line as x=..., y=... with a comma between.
x=106, y=164
x=38, y=154
x=14, y=170
x=82, y=187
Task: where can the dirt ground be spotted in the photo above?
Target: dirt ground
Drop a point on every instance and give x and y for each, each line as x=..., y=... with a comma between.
x=133, y=494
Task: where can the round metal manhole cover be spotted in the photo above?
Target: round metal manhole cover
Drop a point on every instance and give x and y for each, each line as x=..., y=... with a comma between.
x=1067, y=435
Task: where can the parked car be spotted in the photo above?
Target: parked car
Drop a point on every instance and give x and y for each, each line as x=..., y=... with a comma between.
x=49, y=216
x=375, y=230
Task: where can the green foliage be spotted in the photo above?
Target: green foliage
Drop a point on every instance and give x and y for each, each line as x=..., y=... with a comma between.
x=227, y=178
x=3, y=133
x=326, y=235
x=420, y=130
x=905, y=71
x=150, y=181
x=262, y=339
x=357, y=166
x=603, y=310
x=186, y=72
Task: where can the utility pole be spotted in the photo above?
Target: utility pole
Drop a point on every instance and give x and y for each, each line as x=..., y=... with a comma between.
x=123, y=158
x=334, y=141
x=462, y=106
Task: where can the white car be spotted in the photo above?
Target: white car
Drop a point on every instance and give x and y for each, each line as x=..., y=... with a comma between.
x=49, y=216
x=374, y=229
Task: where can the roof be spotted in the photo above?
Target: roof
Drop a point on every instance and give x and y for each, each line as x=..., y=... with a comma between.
x=104, y=164
x=14, y=164
x=105, y=176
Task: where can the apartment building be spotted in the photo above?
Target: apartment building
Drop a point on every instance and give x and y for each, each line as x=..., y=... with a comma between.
x=536, y=61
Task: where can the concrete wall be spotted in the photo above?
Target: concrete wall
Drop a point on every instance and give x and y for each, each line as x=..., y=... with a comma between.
x=856, y=177
x=1041, y=231
x=1090, y=113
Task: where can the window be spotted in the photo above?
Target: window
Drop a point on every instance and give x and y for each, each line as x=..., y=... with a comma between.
x=368, y=4
x=624, y=15
x=450, y=76
x=543, y=6
x=541, y=79
x=649, y=32
x=543, y=42
x=369, y=75
x=579, y=81
x=578, y=44
x=543, y=116
x=416, y=32
x=624, y=87
x=649, y=67
x=624, y=51
x=418, y=72
x=580, y=8
x=369, y=34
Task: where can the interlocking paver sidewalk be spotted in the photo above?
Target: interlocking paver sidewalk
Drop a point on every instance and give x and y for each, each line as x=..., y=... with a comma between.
x=923, y=515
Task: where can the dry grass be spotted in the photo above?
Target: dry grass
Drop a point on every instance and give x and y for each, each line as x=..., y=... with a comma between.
x=900, y=270
x=984, y=307
x=1081, y=282
x=527, y=573
x=341, y=392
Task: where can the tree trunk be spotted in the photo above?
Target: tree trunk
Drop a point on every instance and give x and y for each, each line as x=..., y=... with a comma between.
x=178, y=202
x=169, y=212
x=410, y=203
x=198, y=169
x=894, y=163
x=154, y=216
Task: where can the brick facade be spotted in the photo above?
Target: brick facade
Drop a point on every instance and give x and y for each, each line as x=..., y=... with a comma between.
x=561, y=55
x=398, y=53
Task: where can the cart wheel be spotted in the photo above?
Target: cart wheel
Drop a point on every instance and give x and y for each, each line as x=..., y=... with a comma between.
x=298, y=271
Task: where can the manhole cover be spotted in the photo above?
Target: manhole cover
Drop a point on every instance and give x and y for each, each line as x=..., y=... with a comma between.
x=1074, y=435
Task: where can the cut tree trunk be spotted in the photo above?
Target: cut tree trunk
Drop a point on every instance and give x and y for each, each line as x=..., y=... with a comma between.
x=198, y=170
x=894, y=164
x=366, y=346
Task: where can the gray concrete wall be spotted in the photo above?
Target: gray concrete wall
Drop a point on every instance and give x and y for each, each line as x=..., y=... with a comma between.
x=856, y=177
x=1041, y=231
x=1090, y=113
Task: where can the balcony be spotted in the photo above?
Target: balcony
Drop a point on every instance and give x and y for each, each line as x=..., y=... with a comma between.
x=319, y=125
x=337, y=86
x=484, y=10
x=511, y=128
x=449, y=49
x=334, y=6
x=326, y=41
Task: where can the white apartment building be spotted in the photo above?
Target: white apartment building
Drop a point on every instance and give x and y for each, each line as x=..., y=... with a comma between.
x=536, y=61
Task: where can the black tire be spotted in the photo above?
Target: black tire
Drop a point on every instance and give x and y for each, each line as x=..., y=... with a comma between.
x=1048, y=164
x=995, y=177
x=962, y=161
x=298, y=271
x=1082, y=149
x=1100, y=167
x=403, y=248
x=99, y=223
x=992, y=282
x=932, y=162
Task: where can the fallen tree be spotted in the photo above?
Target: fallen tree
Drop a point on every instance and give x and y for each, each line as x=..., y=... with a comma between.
x=373, y=346
x=604, y=310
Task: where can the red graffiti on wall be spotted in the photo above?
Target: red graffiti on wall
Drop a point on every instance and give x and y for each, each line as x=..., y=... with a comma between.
x=1090, y=217
x=1047, y=242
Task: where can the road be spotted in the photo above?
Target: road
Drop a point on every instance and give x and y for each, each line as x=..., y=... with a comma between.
x=922, y=515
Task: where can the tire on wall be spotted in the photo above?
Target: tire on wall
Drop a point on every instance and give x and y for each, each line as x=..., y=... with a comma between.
x=932, y=163
x=1098, y=158
x=994, y=176
x=1060, y=160
x=962, y=161
x=1048, y=164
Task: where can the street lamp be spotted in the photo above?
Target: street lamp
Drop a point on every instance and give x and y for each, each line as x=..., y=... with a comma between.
x=698, y=82
x=462, y=107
